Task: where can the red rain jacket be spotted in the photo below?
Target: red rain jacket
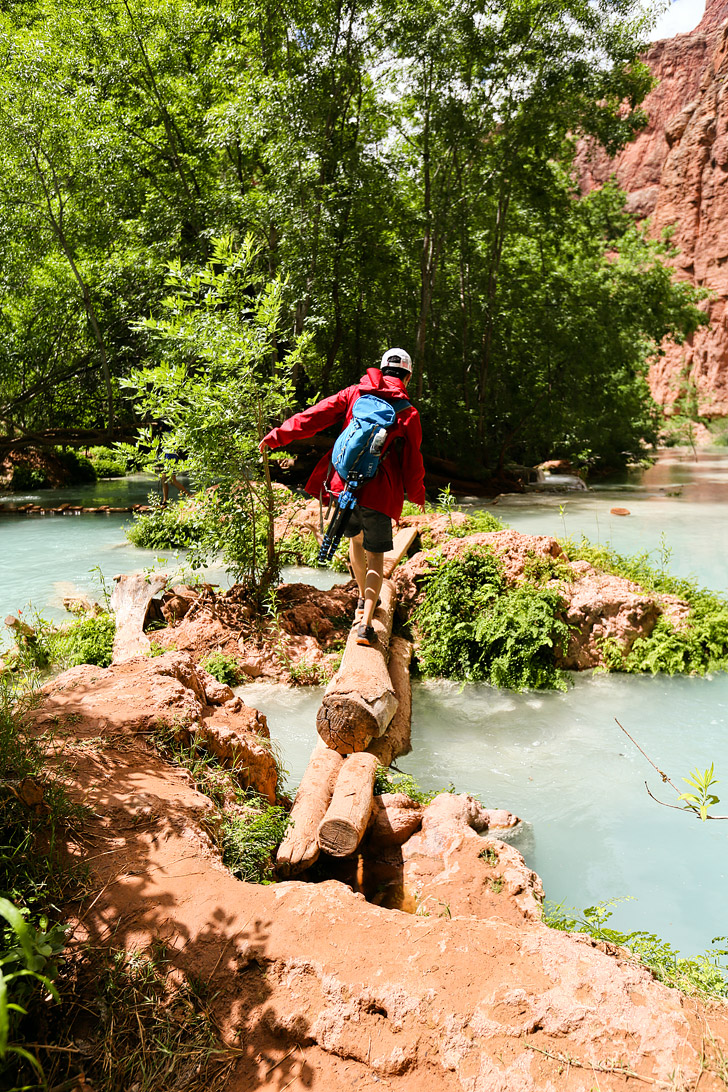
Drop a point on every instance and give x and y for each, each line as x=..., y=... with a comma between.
x=400, y=469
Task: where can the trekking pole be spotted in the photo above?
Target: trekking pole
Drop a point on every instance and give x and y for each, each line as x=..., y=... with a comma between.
x=345, y=505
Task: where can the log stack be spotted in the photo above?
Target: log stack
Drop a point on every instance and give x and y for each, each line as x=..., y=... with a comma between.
x=364, y=722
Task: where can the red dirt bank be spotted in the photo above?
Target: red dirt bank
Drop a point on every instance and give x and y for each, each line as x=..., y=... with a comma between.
x=320, y=989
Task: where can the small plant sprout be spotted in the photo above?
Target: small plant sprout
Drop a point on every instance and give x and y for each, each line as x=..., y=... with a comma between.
x=562, y=514
x=702, y=799
x=665, y=553
x=446, y=501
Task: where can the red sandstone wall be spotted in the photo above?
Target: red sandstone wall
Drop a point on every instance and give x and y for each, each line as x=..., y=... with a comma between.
x=676, y=172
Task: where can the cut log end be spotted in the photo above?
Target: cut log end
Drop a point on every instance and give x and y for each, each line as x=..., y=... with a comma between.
x=348, y=723
x=338, y=837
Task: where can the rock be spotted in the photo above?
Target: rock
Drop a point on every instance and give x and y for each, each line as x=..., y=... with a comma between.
x=300, y=515
x=237, y=740
x=603, y=607
x=598, y=606
x=395, y=818
x=327, y=991
x=81, y=604
x=620, y=511
x=513, y=548
x=177, y=601
x=216, y=693
x=446, y=865
x=674, y=172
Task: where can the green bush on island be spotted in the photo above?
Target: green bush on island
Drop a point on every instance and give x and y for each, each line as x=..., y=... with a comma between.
x=173, y=526
x=471, y=625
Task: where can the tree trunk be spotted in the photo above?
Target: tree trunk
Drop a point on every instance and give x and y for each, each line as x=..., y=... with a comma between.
x=343, y=827
x=299, y=849
x=359, y=702
x=130, y=601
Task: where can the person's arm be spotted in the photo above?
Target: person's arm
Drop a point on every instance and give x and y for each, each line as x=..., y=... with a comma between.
x=413, y=468
x=308, y=422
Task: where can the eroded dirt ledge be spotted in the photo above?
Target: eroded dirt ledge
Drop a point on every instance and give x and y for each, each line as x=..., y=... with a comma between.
x=320, y=989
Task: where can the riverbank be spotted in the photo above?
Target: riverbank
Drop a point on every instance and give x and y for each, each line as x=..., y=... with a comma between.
x=312, y=984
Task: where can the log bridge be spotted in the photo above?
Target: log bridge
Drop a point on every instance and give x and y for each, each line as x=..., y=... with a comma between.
x=363, y=723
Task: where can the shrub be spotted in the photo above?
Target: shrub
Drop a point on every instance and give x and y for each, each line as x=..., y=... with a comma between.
x=108, y=463
x=164, y=528
x=27, y=477
x=478, y=523
x=87, y=641
x=386, y=780
x=702, y=974
x=222, y=667
x=78, y=467
x=36, y=879
x=472, y=626
x=296, y=548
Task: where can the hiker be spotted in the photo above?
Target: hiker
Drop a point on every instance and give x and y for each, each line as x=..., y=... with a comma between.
x=168, y=473
x=380, y=499
x=165, y=462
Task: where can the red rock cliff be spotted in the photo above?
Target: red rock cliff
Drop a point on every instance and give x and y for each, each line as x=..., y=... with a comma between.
x=675, y=172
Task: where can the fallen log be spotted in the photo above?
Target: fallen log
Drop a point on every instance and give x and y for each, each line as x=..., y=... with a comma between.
x=130, y=601
x=401, y=544
x=346, y=819
x=299, y=848
x=396, y=740
x=21, y=630
x=359, y=702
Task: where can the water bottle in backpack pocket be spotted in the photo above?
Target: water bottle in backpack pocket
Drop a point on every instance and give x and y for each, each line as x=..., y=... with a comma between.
x=359, y=447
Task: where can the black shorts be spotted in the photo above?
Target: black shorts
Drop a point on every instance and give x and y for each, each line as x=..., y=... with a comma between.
x=376, y=526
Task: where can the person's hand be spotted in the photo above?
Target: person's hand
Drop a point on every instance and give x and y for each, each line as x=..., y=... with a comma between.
x=262, y=446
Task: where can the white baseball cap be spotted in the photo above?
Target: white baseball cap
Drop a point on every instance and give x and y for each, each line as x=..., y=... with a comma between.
x=397, y=358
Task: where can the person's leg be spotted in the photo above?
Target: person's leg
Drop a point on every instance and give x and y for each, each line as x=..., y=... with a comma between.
x=358, y=559
x=182, y=488
x=165, y=486
x=373, y=585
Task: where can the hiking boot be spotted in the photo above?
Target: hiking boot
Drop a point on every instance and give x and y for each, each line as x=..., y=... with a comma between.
x=365, y=635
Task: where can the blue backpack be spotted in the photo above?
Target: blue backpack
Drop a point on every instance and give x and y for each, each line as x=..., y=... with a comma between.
x=359, y=447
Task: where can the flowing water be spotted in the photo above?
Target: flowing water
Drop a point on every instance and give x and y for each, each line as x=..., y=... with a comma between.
x=557, y=760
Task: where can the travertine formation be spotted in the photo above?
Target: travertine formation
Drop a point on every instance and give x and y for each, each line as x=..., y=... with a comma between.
x=675, y=174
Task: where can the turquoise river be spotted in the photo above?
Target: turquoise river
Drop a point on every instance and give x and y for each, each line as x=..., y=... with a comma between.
x=558, y=760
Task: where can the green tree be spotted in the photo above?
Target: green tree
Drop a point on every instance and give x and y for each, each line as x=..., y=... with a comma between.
x=222, y=379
